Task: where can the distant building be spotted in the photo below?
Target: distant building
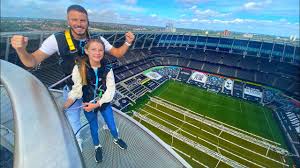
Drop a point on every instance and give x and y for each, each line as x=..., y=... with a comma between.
x=226, y=33
x=248, y=35
x=293, y=37
x=170, y=27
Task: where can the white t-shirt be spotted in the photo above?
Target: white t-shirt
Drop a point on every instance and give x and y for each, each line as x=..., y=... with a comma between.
x=50, y=47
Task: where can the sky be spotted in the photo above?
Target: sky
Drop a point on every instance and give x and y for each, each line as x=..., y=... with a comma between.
x=272, y=17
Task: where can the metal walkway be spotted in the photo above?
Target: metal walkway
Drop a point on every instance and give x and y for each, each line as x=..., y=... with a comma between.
x=144, y=148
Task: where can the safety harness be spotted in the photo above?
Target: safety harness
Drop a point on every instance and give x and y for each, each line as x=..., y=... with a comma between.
x=70, y=42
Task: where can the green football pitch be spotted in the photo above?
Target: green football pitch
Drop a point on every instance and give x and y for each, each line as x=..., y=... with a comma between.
x=241, y=116
x=239, y=113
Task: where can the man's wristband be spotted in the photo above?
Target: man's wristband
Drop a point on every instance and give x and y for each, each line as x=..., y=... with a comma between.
x=128, y=44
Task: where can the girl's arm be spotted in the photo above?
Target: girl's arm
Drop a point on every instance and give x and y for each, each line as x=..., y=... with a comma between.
x=68, y=103
x=76, y=92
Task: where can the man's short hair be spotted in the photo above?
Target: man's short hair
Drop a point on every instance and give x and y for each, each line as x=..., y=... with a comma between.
x=77, y=8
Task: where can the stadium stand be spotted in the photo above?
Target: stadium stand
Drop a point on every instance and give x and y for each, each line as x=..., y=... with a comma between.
x=265, y=78
x=151, y=85
x=249, y=63
x=267, y=66
x=246, y=60
x=195, y=65
x=212, y=68
x=182, y=62
x=231, y=59
x=245, y=75
x=213, y=57
x=198, y=55
x=227, y=71
x=282, y=83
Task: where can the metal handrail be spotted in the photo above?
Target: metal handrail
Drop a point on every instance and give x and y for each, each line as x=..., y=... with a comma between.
x=43, y=137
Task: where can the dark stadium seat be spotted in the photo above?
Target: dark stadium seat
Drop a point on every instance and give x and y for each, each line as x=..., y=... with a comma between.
x=182, y=62
x=231, y=59
x=250, y=63
x=173, y=61
x=227, y=71
x=245, y=74
x=267, y=66
x=283, y=83
x=195, y=65
x=198, y=55
x=213, y=57
x=265, y=78
x=212, y=68
x=294, y=88
x=288, y=69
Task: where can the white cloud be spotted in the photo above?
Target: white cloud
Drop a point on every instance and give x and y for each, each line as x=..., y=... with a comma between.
x=256, y=5
x=206, y=13
x=193, y=7
x=195, y=20
x=104, y=15
x=206, y=17
x=153, y=15
x=233, y=21
x=209, y=13
x=182, y=20
x=90, y=12
x=251, y=5
x=34, y=9
x=242, y=25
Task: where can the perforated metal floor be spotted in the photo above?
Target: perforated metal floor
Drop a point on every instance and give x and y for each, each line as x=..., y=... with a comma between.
x=144, y=149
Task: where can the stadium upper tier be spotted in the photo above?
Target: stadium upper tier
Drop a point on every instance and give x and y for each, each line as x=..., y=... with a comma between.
x=273, y=49
x=274, y=64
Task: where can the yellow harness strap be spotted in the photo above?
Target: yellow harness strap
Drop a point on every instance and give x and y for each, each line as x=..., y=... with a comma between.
x=69, y=40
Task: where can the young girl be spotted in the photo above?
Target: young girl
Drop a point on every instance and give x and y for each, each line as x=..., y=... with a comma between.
x=94, y=82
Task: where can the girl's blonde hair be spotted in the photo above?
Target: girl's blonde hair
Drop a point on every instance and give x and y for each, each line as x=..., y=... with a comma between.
x=84, y=59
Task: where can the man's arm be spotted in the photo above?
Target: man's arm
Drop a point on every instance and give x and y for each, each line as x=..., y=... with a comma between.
x=119, y=52
x=19, y=43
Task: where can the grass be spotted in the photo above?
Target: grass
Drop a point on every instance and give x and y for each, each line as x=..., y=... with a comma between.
x=247, y=116
x=244, y=115
x=210, y=140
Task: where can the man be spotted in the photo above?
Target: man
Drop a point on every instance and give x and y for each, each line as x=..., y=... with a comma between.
x=77, y=19
x=69, y=45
